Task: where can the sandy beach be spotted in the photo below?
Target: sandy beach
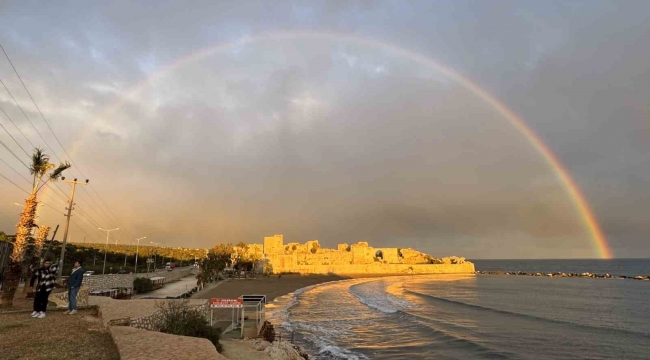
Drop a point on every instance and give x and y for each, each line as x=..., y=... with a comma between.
x=272, y=286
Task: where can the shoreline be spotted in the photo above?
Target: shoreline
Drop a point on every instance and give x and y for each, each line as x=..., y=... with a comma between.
x=276, y=286
x=561, y=274
x=285, y=288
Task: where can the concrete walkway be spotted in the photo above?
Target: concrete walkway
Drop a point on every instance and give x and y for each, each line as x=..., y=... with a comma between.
x=135, y=344
x=172, y=289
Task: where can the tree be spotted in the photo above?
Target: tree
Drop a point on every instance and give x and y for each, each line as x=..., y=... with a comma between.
x=240, y=252
x=4, y=237
x=218, y=258
x=37, y=250
x=43, y=172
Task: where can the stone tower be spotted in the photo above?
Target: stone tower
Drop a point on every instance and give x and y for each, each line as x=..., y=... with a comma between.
x=274, y=245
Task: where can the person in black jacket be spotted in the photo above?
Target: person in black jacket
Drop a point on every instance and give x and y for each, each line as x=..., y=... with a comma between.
x=44, y=278
x=74, y=283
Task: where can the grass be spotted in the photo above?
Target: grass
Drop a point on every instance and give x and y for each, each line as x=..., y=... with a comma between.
x=58, y=336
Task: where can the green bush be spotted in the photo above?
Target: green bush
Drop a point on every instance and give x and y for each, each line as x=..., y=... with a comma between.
x=177, y=318
x=142, y=285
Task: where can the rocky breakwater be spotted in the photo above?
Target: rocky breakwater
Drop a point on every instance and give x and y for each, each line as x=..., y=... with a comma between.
x=562, y=274
x=279, y=350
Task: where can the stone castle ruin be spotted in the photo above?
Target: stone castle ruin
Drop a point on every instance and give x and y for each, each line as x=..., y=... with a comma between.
x=359, y=258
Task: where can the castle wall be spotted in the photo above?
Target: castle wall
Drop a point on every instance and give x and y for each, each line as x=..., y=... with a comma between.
x=390, y=255
x=310, y=258
x=362, y=253
x=379, y=268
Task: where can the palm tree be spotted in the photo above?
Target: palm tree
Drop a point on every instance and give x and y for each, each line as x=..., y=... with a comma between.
x=43, y=172
x=37, y=251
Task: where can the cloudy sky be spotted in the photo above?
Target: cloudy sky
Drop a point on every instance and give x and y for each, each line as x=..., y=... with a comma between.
x=204, y=122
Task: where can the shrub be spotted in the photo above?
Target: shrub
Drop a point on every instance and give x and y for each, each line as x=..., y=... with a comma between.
x=142, y=285
x=177, y=318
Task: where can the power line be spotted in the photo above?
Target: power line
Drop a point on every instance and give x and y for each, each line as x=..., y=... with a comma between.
x=37, y=108
x=53, y=208
x=16, y=185
x=57, y=139
x=28, y=119
x=11, y=136
x=16, y=171
x=12, y=153
x=84, y=215
x=16, y=126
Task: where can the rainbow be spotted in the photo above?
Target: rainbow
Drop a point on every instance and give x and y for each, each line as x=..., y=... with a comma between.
x=600, y=243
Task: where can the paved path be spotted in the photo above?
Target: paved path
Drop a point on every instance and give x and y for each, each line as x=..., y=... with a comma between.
x=172, y=289
x=136, y=344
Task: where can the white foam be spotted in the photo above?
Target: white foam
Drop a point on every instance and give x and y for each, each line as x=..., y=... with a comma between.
x=373, y=294
x=321, y=337
x=335, y=352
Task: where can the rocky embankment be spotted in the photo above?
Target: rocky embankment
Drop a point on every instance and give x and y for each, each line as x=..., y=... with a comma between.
x=561, y=274
x=277, y=350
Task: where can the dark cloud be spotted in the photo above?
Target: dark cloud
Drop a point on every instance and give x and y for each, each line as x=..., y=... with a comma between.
x=336, y=141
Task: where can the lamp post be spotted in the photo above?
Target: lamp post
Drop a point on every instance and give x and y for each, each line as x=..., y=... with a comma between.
x=136, y=253
x=155, y=256
x=108, y=232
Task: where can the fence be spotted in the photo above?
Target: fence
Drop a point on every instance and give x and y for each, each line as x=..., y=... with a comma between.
x=5, y=251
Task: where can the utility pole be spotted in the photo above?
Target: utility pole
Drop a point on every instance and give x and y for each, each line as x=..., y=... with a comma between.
x=67, y=223
x=155, y=256
x=108, y=232
x=136, y=254
x=49, y=245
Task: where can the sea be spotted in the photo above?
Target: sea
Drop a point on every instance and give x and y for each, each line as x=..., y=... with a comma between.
x=476, y=316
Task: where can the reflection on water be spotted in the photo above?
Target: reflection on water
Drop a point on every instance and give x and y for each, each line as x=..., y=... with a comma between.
x=467, y=316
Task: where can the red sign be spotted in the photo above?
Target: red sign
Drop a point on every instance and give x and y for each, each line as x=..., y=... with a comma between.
x=226, y=303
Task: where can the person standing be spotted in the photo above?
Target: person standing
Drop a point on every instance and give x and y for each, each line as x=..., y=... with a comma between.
x=45, y=277
x=74, y=283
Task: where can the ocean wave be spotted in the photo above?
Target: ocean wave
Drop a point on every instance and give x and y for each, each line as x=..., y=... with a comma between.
x=337, y=353
x=283, y=303
x=373, y=294
x=526, y=316
x=321, y=335
x=279, y=312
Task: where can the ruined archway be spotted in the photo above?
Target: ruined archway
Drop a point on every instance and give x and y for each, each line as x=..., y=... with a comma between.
x=379, y=255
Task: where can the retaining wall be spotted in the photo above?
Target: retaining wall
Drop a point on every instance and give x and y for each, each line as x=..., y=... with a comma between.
x=109, y=281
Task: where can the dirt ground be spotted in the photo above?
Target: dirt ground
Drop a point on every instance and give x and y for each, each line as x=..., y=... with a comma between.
x=57, y=336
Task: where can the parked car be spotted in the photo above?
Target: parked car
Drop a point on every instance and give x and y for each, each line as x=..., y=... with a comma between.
x=88, y=273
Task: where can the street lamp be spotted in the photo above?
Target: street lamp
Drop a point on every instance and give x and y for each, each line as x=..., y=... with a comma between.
x=17, y=204
x=136, y=253
x=155, y=256
x=108, y=232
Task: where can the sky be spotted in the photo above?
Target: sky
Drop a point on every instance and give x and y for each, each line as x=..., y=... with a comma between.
x=206, y=122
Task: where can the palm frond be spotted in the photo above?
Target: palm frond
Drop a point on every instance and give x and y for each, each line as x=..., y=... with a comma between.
x=56, y=174
x=40, y=161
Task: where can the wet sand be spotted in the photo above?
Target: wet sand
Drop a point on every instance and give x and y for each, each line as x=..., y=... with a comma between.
x=272, y=286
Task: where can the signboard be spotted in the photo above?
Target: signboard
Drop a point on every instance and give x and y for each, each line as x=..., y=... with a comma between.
x=226, y=303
